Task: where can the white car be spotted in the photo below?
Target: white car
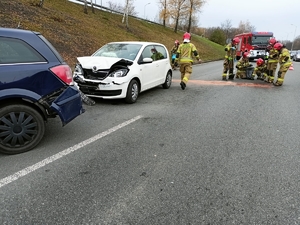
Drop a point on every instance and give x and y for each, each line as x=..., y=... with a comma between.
x=121, y=70
x=296, y=56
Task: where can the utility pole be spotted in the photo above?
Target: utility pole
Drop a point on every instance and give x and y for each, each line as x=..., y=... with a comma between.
x=294, y=36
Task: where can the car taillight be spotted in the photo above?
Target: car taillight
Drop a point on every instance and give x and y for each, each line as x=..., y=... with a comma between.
x=64, y=72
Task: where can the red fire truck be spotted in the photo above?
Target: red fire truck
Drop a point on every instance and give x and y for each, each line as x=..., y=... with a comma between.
x=255, y=43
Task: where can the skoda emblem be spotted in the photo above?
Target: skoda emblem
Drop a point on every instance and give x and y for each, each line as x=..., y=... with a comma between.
x=94, y=69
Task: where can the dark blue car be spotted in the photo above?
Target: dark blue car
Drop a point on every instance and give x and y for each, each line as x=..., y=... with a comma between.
x=35, y=84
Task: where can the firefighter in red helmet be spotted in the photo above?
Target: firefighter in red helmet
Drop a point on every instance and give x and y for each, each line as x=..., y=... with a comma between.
x=185, y=56
x=173, y=54
x=242, y=66
x=260, y=69
x=228, y=64
x=284, y=61
x=272, y=61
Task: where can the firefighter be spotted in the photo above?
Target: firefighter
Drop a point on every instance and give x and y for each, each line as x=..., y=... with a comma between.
x=229, y=59
x=260, y=69
x=156, y=55
x=173, y=54
x=242, y=66
x=284, y=62
x=272, y=61
x=185, y=54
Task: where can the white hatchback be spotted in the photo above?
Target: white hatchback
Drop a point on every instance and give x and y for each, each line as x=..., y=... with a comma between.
x=121, y=70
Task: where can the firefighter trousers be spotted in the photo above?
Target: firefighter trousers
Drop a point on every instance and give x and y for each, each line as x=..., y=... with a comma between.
x=271, y=69
x=227, y=66
x=186, y=71
x=282, y=72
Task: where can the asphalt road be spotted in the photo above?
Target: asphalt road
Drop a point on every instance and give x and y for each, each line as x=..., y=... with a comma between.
x=216, y=153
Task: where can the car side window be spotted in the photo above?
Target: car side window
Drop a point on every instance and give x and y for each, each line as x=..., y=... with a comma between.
x=147, y=52
x=17, y=51
x=162, y=51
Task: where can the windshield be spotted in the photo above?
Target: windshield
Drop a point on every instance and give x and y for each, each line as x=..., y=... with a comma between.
x=119, y=50
x=258, y=40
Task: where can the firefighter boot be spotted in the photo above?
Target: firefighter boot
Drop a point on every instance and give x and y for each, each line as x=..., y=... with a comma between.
x=267, y=76
x=271, y=76
x=277, y=84
x=224, y=77
x=183, y=85
x=264, y=76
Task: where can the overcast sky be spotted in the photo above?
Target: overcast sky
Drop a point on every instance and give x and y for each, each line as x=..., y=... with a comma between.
x=278, y=16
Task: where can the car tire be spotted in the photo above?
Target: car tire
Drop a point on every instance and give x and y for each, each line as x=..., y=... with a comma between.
x=21, y=129
x=168, y=81
x=133, y=91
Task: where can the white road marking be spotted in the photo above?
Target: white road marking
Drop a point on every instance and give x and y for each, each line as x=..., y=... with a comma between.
x=63, y=153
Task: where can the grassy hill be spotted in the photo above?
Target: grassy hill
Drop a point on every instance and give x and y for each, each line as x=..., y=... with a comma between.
x=74, y=33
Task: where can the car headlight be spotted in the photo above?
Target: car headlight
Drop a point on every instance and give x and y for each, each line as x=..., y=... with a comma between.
x=78, y=70
x=119, y=73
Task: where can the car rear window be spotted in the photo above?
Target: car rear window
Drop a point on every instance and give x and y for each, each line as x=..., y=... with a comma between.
x=17, y=51
x=55, y=52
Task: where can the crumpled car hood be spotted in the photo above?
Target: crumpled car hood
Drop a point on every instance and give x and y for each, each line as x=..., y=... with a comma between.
x=90, y=62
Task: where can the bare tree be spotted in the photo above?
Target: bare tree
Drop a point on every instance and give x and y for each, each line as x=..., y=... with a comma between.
x=85, y=7
x=41, y=3
x=115, y=6
x=245, y=27
x=227, y=27
x=193, y=6
x=177, y=11
x=164, y=13
x=125, y=15
x=120, y=8
x=92, y=5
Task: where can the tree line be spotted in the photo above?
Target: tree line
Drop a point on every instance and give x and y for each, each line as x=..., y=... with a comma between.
x=181, y=15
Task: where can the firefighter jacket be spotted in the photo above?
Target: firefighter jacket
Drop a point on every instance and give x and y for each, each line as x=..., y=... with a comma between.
x=262, y=68
x=243, y=64
x=273, y=55
x=285, y=57
x=186, y=52
x=174, y=49
x=230, y=51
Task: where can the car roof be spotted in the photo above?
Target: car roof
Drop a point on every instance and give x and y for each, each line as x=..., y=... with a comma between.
x=13, y=32
x=136, y=42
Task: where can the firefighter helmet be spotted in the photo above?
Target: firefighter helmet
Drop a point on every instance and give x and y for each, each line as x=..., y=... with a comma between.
x=272, y=41
x=186, y=37
x=259, y=62
x=278, y=46
x=245, y=54
x=235, y=40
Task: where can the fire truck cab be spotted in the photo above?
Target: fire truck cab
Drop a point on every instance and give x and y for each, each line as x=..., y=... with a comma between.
x=255, y=43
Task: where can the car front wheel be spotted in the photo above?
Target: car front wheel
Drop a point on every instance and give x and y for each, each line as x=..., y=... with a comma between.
x=21, y=129
x=133, y=91
x=168, y=81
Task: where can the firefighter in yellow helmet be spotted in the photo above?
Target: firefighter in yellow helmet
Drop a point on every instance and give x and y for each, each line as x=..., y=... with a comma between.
x=228, y=63
x=260, y=69
x=243, y=65
x=284, y=61
x=173, y=54
x=272, y=61
x=185, y=54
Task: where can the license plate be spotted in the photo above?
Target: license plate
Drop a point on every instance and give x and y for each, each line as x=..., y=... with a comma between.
x=101, y=86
